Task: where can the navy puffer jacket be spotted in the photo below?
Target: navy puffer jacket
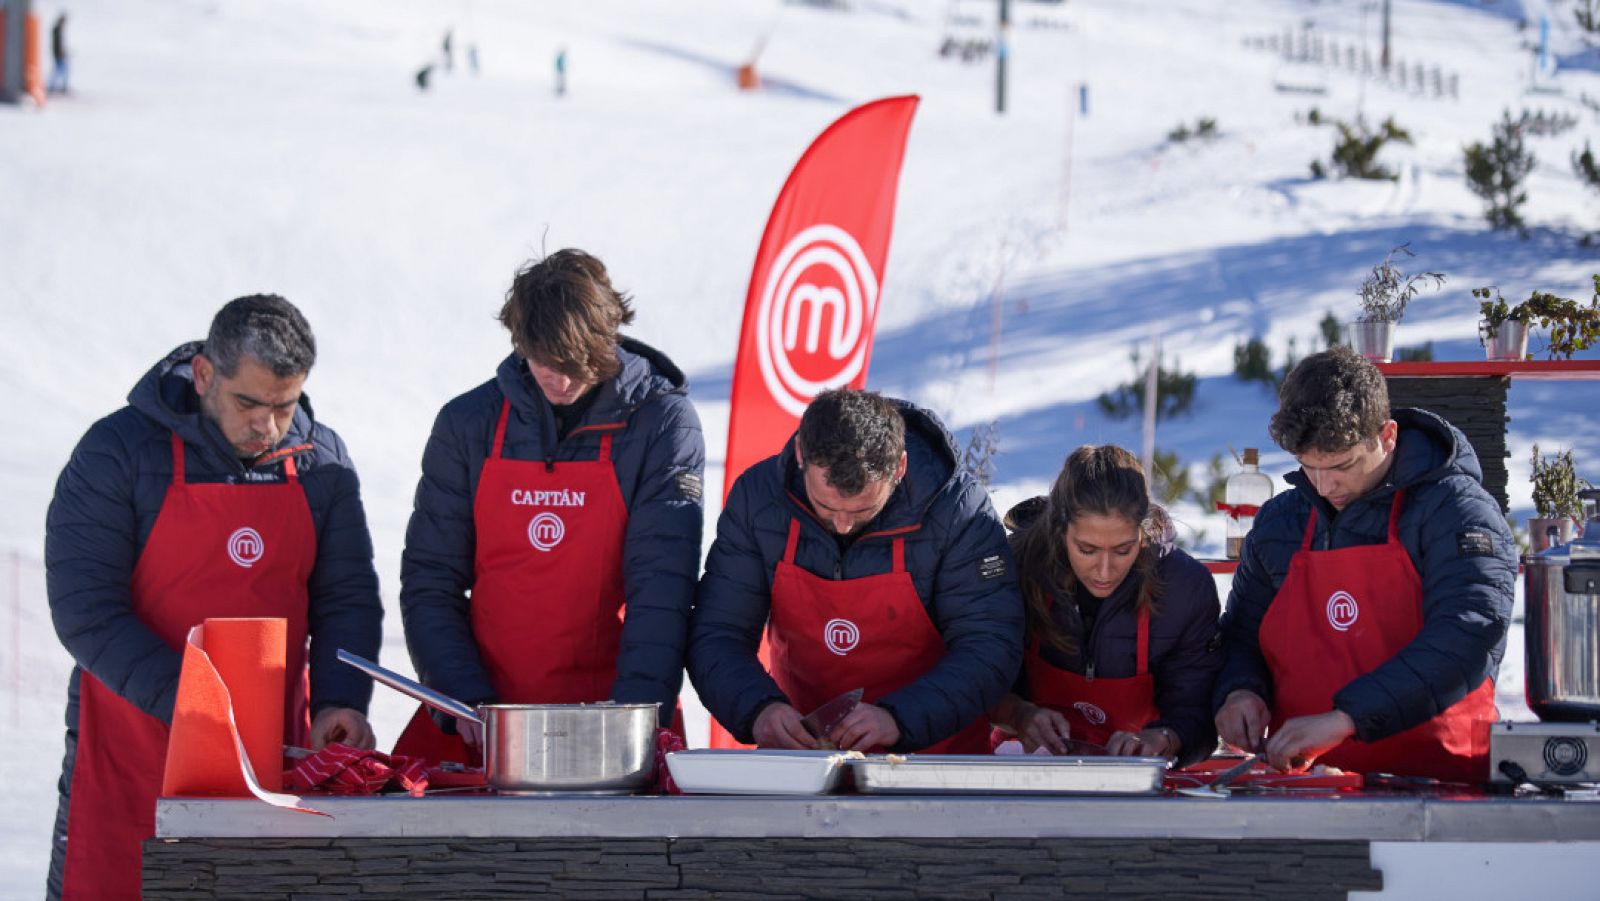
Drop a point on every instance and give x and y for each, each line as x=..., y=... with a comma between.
x=950, y=530
x=659, y=457
x=1185, y=651
x=105, y=505
x=1467, y=582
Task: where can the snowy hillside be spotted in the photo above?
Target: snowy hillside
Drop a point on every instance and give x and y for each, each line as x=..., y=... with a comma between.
x=214, y=148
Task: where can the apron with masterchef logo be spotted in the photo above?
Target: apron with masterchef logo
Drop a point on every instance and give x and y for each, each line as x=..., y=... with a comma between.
x=547, y=591
x=216, y=550
x=1096, y=707
x=830, y=636
x=1341, y=614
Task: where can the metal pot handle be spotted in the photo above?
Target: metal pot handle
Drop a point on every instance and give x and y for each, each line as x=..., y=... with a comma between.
x=441, y=702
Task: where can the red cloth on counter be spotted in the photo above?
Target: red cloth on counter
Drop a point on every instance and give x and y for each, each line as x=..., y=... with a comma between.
x=667, y=741
x=342, y=770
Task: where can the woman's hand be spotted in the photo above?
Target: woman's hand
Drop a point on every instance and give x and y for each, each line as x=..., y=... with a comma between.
x=1041, y=727
x=1157, y=741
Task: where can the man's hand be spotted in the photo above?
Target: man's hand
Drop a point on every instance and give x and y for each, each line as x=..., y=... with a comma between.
x=344, y=725
x=471, y=733
x=1040, y=727
x=866, y=727
x=778, y=726
x=1158, y=741
x=1300, y=741
x=1242, y=721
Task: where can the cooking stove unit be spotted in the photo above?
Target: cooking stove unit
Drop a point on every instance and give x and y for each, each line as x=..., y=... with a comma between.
x=1547, y=753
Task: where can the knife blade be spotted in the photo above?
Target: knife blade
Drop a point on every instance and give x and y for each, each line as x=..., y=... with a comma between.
x=821, y=722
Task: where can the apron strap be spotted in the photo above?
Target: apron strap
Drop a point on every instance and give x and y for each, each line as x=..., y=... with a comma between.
x=1143, y=653
x=794, y=541
x=605, y=448
x=1311, y=529
x=500, y=428
x=1394, y=517
x=899, y=555
x=289, y=470
x=177, y=459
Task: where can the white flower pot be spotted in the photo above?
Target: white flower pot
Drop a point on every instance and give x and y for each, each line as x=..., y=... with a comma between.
x=1372, y=338
x=1506, y=341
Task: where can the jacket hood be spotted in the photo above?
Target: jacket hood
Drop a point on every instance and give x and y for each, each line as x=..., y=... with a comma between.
x=1428, y=449
x=931, y=469
x=166, y=395
x=646, y=373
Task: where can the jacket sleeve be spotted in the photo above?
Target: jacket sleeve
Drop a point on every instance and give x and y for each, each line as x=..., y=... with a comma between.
x=345, y=610
x=979, y=615
x=1466, y=609
x=661, y=558
x=436, y=568
x=1243, y=666
x=90, y=548
x=730, y=613
x=1184, y=676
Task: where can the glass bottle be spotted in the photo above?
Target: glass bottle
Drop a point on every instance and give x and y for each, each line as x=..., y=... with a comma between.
x=1242, y=495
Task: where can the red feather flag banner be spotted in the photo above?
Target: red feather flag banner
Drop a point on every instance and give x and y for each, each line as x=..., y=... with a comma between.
x=812, y=304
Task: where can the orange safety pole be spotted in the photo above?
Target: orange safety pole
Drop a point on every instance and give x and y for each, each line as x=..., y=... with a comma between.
x=31, y=82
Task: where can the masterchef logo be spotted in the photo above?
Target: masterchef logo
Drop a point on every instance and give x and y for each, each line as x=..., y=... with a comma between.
x=1090, y=712
x=245, y=547
x=841, y=636
x=546, y=530
x=813, y=326
x=1342, y=611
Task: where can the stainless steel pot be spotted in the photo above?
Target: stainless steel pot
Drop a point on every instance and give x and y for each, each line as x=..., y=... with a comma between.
x=597, y=748
x=1562, y=626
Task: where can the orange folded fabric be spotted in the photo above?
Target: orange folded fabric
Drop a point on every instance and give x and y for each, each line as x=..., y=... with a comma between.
x=232, y=684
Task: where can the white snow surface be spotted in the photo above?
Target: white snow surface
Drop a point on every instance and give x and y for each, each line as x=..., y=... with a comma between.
x=215, y=148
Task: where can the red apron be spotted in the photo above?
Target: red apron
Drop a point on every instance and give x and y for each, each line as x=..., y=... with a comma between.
x=1095, y=708
x=216, y=550
x=1340, y=615
x=547, y=594
x=829, y=636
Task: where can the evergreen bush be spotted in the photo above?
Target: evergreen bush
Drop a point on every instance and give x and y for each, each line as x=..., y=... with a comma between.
x=1496, y=172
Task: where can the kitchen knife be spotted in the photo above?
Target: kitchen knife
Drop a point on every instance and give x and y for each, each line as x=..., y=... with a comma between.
x=820, y=722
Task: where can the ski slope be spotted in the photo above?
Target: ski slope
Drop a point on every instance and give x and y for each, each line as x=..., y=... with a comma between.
x=215, y=148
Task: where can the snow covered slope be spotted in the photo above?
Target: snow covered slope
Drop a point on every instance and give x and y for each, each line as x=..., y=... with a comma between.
x=216, y=148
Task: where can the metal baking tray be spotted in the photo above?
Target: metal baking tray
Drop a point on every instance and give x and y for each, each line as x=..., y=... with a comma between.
x=719, y=771
x=988, y=775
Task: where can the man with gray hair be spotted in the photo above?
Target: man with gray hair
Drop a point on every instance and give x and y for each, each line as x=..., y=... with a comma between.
x=214, y=493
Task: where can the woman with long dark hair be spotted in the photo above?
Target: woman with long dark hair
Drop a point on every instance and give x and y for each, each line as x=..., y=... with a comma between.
x=1122, y=625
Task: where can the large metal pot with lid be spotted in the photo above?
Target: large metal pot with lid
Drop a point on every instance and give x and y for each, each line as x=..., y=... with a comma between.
x=602, y=748
x=1562, y=625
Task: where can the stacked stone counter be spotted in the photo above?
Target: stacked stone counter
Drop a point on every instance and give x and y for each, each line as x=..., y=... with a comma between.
x=847, y=846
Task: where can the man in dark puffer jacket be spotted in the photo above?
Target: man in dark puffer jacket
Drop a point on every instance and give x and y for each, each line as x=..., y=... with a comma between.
x=899, y=580
x=1372, y=653
x=185, y=504
x=554, y=497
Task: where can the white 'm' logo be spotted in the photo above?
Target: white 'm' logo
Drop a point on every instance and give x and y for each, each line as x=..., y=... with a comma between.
x=841, y=636
x=245, y=547
x=546, y=530
x=1091, y=713
x=787, y=302
x=1342, y=611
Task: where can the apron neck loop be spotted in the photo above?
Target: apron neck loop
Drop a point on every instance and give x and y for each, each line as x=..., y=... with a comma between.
x=1143, y=652
x=794, y=540
x=1394, y=517
x=605, y=448
x=500, y=428
x=177, y=460
x=899, y=555
x=1311, y=528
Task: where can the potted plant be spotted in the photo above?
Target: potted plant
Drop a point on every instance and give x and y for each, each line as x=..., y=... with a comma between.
x=1555, y=501
x=1384, y=295
x=1573, y=326
x=1503, y=330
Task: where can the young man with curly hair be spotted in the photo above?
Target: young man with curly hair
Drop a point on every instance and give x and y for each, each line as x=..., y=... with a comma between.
x=1368, y=615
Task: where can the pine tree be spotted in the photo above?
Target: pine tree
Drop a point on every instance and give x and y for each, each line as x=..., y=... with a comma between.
x=1496, y=173
x=1586, y=167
